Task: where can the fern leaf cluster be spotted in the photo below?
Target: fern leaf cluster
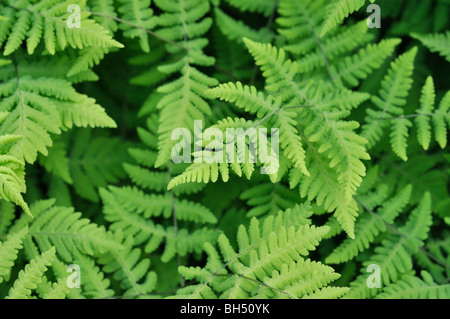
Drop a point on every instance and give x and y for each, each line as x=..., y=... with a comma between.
x=257, y=149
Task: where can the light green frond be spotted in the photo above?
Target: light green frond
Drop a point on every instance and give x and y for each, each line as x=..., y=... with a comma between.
x=40, y=106
x=267, y=263
x=357, y=67
x=368, y=227
x=66, y=230
x=130, y=269
x=140, y=16
x=412, y=287
x=47, y=22
x=337, y=11
x=427, y=101
x=9, y=250
x=93, y=280
x=130, y=210
x=392, y=97
x=393, y=256
x=58, y=290
x=437, y=42
x=31, y=276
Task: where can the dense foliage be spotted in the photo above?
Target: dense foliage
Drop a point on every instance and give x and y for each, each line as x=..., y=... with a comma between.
x=87, y=175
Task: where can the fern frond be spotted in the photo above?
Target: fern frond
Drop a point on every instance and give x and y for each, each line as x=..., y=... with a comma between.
x=231, y=155
x=257, y=103
x=129, y=210
x=129, y=268
x=337, y=11
x=183, y=22
x=267, y=263
x=46, y=21
x=368, y=227
x=40, y=106
x=95, y=163
x=58, y=290
x=139, y=13
x=7, y=215
x=9, y=250
x=412, y=287
x=426, y=114
x=268, y=198
x=12, y=175
x=393, y=256
x=64, y=229
x=237, y=30
x=392, y=97
x=261, y=6
x=95, y=285
x=31, y=276
x=106, y=8
x=438, y=42
x=357, y=67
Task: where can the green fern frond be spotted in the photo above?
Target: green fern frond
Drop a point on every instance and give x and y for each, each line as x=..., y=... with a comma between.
x=357, y=67
x=107, y=9
x=140, y=16
x=64, y=229
x=40, y=106
x=438, y=42
x=58, y=290
x=426, y=114
x=261, y=6
x=268, y=198
x=129, y=210
x=412, y=287
x=8, y=252
x=267, y=263
x=31, y=276
x=183, y=22
x=337, y=11
x=368, y=227
x=12, y=175
x=46, y=22
x=218, y=159
x=7, y=215
x=129, y=269
x=95, y=163
x=237, y=30
x=389, y=103
x=93, y=280
x=393, y=256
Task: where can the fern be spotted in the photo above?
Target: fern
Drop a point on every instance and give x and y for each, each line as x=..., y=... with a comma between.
x=392, y=255
x=184, y=100
x=393, y=95
x=46, y=22
x=369, y=227
x=8, y=252
x=40, y=106
x=30, y=277
x=141, y=16
x=436, y=43
x=62, y=228
x=411, y=287
x=129, y=209
x=353, y=177
x=134, y=278
x=338, y=10
x=268, y=263
x=279, y=74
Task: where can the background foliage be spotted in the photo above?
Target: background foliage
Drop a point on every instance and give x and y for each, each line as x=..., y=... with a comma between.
x=86, y=175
